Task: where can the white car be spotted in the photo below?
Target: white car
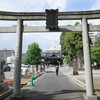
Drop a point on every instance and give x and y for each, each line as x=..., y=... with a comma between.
x=24, y=69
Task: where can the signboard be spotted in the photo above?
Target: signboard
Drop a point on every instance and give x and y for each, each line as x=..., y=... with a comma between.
x=52, y=19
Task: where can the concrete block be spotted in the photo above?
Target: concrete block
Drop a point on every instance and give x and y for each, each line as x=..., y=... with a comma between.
x=93, y=97
x=4, y=86
x=5, y=94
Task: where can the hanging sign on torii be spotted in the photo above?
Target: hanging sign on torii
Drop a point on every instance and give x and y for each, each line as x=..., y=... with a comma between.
x=52, y=19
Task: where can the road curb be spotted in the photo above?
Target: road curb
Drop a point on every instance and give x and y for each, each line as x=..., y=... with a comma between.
x=34, y=79
x=5, y=94
x=10, y=91
x=79, y=83
x=75, y=80
x=39, y=75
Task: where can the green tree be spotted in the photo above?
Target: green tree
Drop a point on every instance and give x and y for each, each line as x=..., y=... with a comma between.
x=97, y=43
x=95, y=51
x=71, y=45
x=33, y=54
x=68, y=59
x=95, y=55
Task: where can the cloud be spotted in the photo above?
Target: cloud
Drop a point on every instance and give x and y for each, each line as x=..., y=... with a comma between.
x=48, y=4
x=45, y=40
x=32, y=5
x=7, y=40
x=57, y=4
x=96, y=5
x=8, y=5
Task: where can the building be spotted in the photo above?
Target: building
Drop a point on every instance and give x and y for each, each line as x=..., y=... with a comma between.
x=11, y=59
x=6, y=53
x=92, y=37
x=53, y=56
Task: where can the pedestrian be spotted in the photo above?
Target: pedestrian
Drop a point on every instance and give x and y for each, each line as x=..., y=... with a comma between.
x=57, y=69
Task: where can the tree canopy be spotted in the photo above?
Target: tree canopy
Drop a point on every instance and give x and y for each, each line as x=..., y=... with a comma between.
x=97, y=42
x=95, y=51
x=72, y=47
x=71, y=44
x=33, y=54
x=95, y=55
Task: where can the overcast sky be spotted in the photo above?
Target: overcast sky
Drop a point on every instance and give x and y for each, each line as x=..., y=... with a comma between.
x=45, y=40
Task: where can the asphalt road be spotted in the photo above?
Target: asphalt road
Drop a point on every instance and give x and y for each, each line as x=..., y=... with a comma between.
x=52, y=87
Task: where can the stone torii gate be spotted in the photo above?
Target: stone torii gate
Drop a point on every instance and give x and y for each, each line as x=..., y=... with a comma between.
x=36, y=16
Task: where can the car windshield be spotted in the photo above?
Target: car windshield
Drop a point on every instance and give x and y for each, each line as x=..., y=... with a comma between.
x=5, y=66
x=24, y=66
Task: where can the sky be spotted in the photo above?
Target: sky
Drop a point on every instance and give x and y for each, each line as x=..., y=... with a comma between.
x=45, y=40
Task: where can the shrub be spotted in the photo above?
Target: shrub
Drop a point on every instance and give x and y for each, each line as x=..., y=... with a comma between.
x=75, y=72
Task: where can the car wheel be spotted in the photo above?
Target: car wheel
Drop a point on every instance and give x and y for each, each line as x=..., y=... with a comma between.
x=7, y=69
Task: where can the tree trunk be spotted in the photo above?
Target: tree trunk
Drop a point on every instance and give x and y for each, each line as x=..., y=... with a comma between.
x=79, y=62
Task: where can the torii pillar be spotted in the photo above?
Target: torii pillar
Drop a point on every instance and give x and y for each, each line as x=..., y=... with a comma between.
x=87, y=62
x=17, y=68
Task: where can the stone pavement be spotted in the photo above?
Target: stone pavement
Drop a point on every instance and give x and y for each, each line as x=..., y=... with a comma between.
x=52, y=87
x=80, y=79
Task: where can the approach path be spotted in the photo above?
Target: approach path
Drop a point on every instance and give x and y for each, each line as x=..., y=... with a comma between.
x=52, y=87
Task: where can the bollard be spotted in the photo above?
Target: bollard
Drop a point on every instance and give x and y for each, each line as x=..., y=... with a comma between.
x=32, y=80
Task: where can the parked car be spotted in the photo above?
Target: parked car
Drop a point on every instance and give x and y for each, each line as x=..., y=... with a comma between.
x=6, y=68
x=25, y=68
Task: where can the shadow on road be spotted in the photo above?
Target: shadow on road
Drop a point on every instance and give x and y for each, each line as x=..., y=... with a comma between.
x=36, y=95
x=49, y=71
x=68, y=91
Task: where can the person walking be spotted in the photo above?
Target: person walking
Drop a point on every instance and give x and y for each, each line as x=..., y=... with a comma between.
x=57, y=69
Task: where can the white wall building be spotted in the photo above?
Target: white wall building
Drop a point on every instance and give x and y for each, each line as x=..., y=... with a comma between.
x=11, y=60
